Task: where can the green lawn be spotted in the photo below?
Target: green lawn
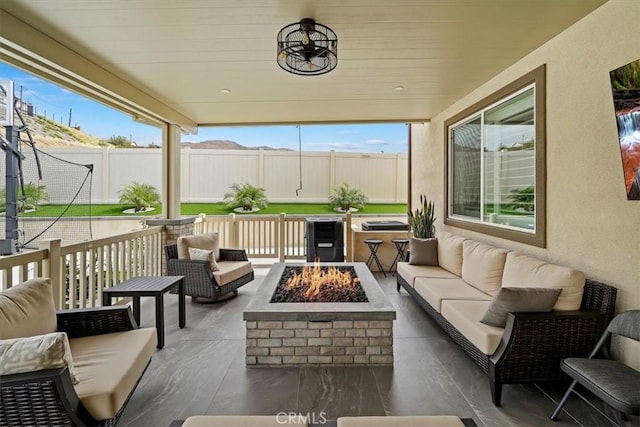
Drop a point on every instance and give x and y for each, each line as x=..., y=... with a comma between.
x=212, y=209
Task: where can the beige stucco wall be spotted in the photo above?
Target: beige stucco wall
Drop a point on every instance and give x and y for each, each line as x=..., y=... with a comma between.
x=590, y=223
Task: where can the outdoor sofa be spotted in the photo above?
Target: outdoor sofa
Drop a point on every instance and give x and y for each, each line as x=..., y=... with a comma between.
x=457, y=281
x=71, y=368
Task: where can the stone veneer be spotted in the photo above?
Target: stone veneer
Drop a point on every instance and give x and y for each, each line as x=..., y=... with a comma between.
x=337, y=342
x=285, y=334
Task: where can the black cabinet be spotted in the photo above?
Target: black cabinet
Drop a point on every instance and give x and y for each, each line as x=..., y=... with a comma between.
x=325, y=239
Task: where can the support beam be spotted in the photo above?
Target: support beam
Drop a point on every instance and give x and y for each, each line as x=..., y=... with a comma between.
x=171, y=171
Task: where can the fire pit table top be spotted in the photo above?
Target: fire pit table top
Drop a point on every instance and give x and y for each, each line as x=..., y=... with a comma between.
x=378, y=307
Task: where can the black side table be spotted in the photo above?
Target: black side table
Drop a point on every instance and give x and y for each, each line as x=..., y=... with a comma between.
x=150, y=286
x=374, y=244
x=401, y=247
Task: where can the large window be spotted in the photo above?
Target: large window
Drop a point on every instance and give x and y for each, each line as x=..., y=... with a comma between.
x=495, y=163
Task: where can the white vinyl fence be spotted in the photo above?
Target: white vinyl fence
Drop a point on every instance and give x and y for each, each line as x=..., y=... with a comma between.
x=206, y=175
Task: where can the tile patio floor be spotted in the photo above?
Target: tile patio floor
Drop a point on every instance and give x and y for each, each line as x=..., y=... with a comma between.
x=201, y=371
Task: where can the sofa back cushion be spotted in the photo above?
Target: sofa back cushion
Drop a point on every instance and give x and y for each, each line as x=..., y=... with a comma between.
x=527, y=272
x=450, y=252
x=482, y=266
x=27, y=309
x=208, y=241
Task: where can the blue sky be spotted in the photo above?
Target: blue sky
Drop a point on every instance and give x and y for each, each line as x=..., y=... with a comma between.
x=104, y=122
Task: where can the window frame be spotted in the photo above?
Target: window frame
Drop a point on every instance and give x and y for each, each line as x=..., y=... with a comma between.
x=537, y=78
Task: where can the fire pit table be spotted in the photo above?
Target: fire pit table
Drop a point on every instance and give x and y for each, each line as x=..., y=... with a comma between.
x=355, y=333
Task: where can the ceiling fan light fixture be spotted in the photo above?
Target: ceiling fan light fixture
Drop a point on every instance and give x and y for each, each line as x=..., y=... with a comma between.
x=307, y=48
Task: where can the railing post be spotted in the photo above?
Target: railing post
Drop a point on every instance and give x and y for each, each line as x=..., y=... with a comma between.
x=52, y=267
x=235, y=232
x=281, y=236
x=349, y=241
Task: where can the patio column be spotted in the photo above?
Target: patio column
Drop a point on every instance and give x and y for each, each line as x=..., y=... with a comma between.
x=171, y=171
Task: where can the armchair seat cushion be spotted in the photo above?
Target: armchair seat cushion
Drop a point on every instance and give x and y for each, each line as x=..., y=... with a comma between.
x=27, y=310
x=231, y=270
x=109, y=366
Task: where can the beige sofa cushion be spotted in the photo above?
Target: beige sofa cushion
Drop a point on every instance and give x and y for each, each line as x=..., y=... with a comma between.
x=465, y=317
x=231, y=270
x=527, y=272
x=208, y=241
x=411, y=272
x=450, y=252
x=435, y=290
x=36, y=353
x=27, y=309
x=108, y=366
x=402, y=421
x=482, y=266
x=280, y=420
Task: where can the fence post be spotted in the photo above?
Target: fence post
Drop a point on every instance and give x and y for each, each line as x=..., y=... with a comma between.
x=52, y=267
x=281, y=236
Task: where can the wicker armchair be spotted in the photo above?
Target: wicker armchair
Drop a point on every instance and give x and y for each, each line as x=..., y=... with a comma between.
x=48, y=397
x=207, y=286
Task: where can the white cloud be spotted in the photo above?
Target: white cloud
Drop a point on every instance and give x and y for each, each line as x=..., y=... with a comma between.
x=338, y=145
x=376, y=142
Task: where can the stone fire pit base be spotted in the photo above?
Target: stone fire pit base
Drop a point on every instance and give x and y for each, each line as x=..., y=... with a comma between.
x=350, y=334
x=339, y=342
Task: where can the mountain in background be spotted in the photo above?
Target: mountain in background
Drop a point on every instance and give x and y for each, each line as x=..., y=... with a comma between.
x=49, y=133
x=216, y=144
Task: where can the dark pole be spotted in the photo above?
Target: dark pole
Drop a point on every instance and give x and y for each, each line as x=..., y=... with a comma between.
x=8, y=245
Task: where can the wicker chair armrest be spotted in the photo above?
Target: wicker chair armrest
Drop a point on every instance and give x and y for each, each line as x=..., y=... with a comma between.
x=233, y=255
x=194, y=272
x=84, y=322
x=45, y=397
x=543, y=339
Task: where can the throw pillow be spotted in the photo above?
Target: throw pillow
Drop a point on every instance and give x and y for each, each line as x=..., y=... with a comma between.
x=519, y=300
x=36, y=353
x=204, y=255
x=423, y=251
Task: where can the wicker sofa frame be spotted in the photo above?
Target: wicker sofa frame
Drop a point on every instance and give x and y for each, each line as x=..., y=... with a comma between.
x=47, y=397
x=199, y=281
x=534, y=343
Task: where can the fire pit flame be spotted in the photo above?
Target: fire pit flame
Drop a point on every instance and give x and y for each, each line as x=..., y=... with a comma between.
x=314, y=279
x=319, y=283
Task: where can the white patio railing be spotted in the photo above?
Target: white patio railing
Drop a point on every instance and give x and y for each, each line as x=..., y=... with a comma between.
x=80, y=271
x=265, y=236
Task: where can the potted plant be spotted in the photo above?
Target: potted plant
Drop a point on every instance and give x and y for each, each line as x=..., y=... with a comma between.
x=347, y=199
x=138, y=197
x=423, y=246
x=422, y=220
x=29, y=199
x=245, y=198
